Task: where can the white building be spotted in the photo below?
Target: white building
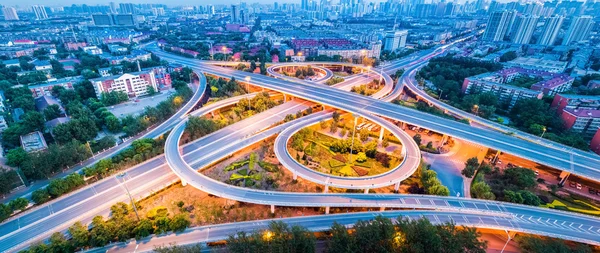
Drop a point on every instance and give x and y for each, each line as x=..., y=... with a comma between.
x=10, y=13
x=550, y=30
x=499, y=25
x=134, y=84
x=579, y=29
x=394, y=40
x=524, y=28
x=40, y=12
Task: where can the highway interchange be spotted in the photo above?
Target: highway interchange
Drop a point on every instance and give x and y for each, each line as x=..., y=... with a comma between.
x=154, y=174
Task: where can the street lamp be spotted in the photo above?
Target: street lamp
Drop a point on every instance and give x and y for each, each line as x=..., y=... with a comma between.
x=369, y=71
x=353, y=133
x=122, y=175
x=543, y=132
x=476, y=107
x=247, y=78
x=224, y=49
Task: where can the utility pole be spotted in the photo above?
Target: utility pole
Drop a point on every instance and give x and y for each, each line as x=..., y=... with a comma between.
x=122, y=175
x=353, y=133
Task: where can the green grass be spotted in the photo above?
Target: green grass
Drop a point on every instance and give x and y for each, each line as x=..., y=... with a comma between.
x=270, y=167
x=335, y=163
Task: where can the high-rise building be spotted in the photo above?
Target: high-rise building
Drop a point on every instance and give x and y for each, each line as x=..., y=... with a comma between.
x=524, y=28
x=10, y=13
x=498, y=25
x=579, y=29
x=113, y=7
x=394, y=40
x=40, y=12
x=304, y=4
x=235, y=13
x=126, y=8
x=550, y=30
x=158, y=11
x=113, y=19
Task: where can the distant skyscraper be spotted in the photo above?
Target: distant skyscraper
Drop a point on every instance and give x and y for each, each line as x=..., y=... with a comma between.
x=125, y=8
x=211, y=9
x=498, y=25
x=235, y=14
x=40, y=12
x=158, y=11
x=394, y=40
x=524, y=28
x=10, y=13
x=550, y=30
x=304, y=4
x=579, y=29
x=113, y=7
x=113, y=19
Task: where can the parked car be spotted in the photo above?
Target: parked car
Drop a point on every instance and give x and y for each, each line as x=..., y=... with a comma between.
x=579, y=186
x=572, y=184
x=537, y=172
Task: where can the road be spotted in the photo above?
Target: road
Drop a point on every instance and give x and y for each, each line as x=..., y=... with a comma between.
x=151, y=133
x=90, y=201
x=273, y=70
x=410, y=163
x=576, y=162
x=313, y=223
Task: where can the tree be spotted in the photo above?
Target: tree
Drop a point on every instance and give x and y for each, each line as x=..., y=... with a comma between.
x=179, y=249
x=481, y=190
x=18, y=204
x=341, y=241
x=179, y=223
x=16, y=157
x=58, y=243
x=534, y=244
x=417, y=139
x=79, y=235
x=33, y=121
x=364, y=134
x=113, y=124
x=470, y=167
x=361, y=157
x=324, y=125
x=513, y=197
x=52, y=112
x=529, y=198
x=508, y=56
x=40, y=196
x=521, y=177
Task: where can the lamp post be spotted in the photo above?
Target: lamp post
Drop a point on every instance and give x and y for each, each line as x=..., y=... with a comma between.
x=369, y=71
x=543, y=132
x=128, y=193
x=224, y=49
x=248, y=78
x=211, y=51
x=353, y=133
x=476, y=107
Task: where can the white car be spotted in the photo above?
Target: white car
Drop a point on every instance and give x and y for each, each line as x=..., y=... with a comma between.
x=579, y=186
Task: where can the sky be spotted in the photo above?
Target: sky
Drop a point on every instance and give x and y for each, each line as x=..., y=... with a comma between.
x=168, y=2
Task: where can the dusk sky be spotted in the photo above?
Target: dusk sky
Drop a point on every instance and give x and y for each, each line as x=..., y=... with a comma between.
x=94, y=2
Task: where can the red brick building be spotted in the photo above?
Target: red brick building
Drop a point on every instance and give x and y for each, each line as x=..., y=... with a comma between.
x=595, y=144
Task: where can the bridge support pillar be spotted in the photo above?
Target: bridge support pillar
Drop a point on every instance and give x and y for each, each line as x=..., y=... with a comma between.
x=284, y=98
x=397, y=187
x=563, y=177
x=212, y=114
x=295, y=177
x=496, y=156
x=381, y=134
x=381, y=209
x=273, y=209
x=183, y=182
x=444, y=139
x=366, y=191
x=326, y=190
x=326, y=210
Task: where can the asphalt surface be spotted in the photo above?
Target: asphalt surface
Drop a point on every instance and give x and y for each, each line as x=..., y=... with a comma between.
x=576, y=162
x=150, y=133
x=273, y=70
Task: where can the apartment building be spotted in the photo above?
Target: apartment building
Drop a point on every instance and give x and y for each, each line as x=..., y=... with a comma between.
x=134, y=84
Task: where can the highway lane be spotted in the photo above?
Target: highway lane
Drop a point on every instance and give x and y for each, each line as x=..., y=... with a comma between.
x=273, y=70
x=220, y=232
x=536, y=220
x=151, y=133
x=411, y=83
x=410, y=163
x=572, y=161
x=531, y=219
x=50, y=215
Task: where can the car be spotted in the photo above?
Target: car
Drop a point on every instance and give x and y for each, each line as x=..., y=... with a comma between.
x=579, y=186
x=593, y=191
x=572, y=184
x=498, y=162
x=537, y=172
